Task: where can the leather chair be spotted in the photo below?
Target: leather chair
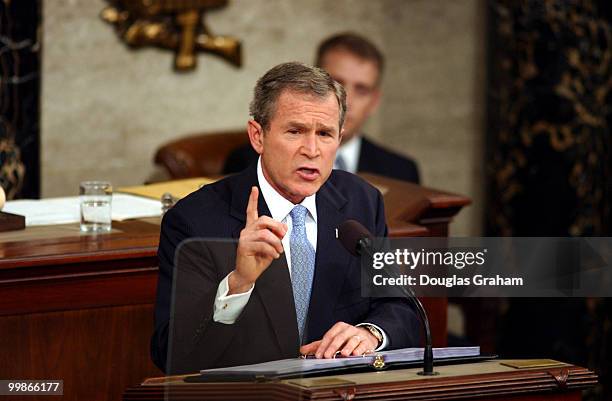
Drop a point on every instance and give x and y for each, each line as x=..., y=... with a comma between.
x=201, y=155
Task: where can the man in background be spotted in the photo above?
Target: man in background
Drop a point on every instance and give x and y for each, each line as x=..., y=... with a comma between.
x=358, y=65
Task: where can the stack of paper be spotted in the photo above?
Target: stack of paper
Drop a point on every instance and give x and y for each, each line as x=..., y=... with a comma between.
x=67, y=210
x=177, y=188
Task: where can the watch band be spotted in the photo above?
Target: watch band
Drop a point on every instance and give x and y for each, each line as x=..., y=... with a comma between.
x=376, y=333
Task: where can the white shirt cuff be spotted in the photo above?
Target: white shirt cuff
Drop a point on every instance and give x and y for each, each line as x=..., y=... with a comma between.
x=385, y=340
x=229, y=307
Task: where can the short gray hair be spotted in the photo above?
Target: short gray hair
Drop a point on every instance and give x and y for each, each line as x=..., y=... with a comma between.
x=294, y=77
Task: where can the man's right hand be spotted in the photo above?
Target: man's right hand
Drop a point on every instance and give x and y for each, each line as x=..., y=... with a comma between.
x=259, y=243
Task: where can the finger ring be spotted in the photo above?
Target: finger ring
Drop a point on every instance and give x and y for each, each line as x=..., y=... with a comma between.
x=336, y=354
x=367, y=352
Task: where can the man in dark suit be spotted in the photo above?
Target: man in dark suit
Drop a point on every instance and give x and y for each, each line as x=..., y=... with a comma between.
x=288, y=286
x=357, y=64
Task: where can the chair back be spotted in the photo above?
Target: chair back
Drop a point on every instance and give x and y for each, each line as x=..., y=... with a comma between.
x=201, y=155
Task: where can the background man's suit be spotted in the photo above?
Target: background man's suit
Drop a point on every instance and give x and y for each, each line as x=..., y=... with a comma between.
x=372, y=159
x=267, y=328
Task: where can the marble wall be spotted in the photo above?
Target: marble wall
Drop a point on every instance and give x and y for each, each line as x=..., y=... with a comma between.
x=550, y=125
x=19, y=98
x=106, y=109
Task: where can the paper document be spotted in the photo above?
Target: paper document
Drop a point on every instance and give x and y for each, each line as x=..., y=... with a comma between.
x=177, y=188
x=39, y=212
x=298, y=365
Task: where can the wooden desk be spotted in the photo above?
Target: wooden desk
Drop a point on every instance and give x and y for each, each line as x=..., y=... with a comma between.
x=413, y=210
x=80, y=307
x=484, y=381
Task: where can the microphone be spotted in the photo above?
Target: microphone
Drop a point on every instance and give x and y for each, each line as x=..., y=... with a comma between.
x=358, y=241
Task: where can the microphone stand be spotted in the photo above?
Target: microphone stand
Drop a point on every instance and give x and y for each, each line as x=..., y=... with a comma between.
x=365, y=245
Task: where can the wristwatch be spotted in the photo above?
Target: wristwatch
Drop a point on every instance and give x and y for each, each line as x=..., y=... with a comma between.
x=376, y=333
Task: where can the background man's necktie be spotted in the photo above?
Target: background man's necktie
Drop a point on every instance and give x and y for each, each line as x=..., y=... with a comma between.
x=340, y=163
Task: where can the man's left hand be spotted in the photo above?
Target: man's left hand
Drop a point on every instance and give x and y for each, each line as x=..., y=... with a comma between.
x=343, y=337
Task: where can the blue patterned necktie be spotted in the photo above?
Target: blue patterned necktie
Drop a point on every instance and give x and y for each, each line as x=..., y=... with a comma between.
x=340, y=163
x=302, y=265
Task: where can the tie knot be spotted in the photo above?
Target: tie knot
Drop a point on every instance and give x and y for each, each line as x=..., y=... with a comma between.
x=340, y=163
x=298, y=215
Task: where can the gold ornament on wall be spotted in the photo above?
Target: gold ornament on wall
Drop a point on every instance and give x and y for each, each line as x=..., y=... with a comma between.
x=171, y=24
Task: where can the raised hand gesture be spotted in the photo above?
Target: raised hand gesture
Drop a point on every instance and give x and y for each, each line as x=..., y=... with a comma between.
x=259, y=243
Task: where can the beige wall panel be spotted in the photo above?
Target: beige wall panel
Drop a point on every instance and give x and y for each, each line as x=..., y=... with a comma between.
x=433, y=107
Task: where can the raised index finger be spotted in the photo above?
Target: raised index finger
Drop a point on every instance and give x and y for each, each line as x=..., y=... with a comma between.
x=251, y=211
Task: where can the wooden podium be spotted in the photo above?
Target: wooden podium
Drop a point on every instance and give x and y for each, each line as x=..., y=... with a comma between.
x=416, y=211
x=74, y=303
x=489, y=380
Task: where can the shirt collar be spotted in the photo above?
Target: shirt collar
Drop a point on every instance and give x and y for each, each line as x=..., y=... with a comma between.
x=350, y=153
x=279, y=206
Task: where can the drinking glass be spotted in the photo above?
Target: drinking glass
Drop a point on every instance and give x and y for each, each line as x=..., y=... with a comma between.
x=95, y=198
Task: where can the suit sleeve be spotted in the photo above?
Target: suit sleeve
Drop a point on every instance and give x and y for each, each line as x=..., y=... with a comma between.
x=173, y=231
x=396, y=316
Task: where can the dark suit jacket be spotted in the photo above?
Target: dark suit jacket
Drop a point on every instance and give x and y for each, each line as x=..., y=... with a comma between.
x=267, y=328
x=372, y=159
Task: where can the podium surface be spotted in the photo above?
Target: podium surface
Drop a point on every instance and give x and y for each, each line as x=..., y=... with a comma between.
x=490, y=380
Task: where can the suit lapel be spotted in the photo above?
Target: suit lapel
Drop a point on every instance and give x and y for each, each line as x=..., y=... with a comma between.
x=331, y=262
x=240, y=191
x=365, y=159
x=274, y=290
x=273, y=287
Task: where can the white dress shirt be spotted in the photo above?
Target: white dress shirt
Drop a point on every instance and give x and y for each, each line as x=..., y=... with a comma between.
x=350, y=154
x=229, y=307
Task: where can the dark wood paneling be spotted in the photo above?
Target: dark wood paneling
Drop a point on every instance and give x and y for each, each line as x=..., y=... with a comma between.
x=92, y=290
x=97, y=352
x=79, y=307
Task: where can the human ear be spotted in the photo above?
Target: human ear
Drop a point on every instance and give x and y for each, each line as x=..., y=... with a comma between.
x=255, y=132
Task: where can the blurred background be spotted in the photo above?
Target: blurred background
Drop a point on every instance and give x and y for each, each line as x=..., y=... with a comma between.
x=105, y=109
x=508, y=102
